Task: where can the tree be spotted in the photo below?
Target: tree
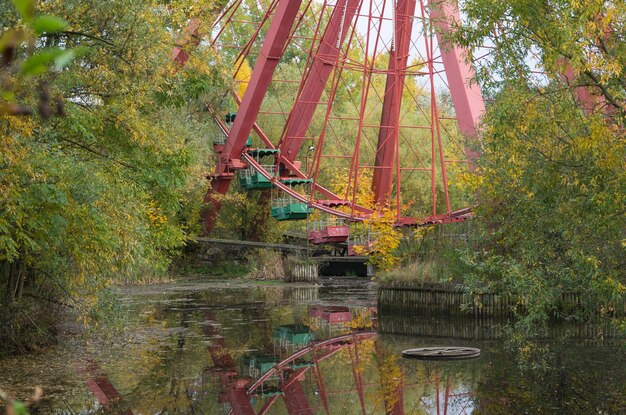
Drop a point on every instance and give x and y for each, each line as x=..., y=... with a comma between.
x=95, y=195
x=551, y=184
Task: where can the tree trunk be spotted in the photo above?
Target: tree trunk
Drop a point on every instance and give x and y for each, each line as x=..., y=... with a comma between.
x=14, y=275
x=7, y=273
x=21, y=278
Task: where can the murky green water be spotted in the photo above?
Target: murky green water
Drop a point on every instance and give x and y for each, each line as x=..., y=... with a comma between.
x=219, y=348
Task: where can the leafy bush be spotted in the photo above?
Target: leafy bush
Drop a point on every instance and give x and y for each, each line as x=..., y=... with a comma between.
x=93, y=195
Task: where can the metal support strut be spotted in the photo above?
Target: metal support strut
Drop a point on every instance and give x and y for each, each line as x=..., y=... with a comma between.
x=266, y=63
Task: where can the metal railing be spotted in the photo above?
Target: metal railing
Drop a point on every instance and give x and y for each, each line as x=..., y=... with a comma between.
x=284, y=200
x=362, y=239
x=251, y=171
x=324, y=223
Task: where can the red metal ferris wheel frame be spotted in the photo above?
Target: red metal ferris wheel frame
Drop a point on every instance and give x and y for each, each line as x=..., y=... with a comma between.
x=321, y=67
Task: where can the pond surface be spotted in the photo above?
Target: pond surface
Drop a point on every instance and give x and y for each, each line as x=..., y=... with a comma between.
x=235, y=347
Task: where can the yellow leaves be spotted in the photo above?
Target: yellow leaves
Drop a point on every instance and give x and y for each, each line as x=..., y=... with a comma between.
x=386, y=239
x=80, y=278
x=593, y=261
x=390, y=378
x=242, y=76
x=20, y=125
x=583, y=145
x=469, y=182
x=379, y=227
x=421, y=232
x=155, y=214
x=361, y=319
x=234, y=198
x=341, y=185
x=598, y=141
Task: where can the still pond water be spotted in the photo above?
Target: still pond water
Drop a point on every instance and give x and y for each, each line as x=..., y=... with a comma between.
x=240, y=348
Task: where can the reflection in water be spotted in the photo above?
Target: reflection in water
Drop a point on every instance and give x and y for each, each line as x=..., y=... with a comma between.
x=308, y=350
x=102, y=389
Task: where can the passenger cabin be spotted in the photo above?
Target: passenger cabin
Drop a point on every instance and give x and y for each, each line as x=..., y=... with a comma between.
x=331, y=320
x=332, y=314
x=287, y=207
x=257, y=366
x=252, y=179
x=328, y=230
x=294, y=336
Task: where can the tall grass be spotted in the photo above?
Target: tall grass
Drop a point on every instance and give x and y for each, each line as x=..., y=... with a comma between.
x=431, y=258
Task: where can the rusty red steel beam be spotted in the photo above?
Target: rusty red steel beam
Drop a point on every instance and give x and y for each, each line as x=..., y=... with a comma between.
x=294, y=396
x=101, y=387
x=586, y=100
x=454, y=216
x=324, y=61
x=239, y=399
x=213, y=201
x=268, y=405
x=179, y=54
x=234, y=388
x=265, y=65
x=466, y=95
x=390, y=118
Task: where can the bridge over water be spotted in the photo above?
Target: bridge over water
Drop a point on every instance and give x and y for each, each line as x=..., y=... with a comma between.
x=329, y=262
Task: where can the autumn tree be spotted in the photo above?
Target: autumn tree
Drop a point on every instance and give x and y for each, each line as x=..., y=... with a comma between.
x=95, y=193
x=551, y=185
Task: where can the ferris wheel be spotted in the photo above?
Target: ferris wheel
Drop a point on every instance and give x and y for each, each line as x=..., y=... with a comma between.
x=328, y=367
x=344, y=107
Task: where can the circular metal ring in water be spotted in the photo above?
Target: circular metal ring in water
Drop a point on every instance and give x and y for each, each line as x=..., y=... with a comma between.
x=442, y=353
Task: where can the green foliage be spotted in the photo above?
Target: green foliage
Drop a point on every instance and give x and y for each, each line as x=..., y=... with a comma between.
x=26, y=8
x=37, y=61
x=551, y=184
x=231, y=270
x=95, y=196
x=246, y=215
x=429, y=256
x=48, y=24
x=550, y=36
x=222, y=264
